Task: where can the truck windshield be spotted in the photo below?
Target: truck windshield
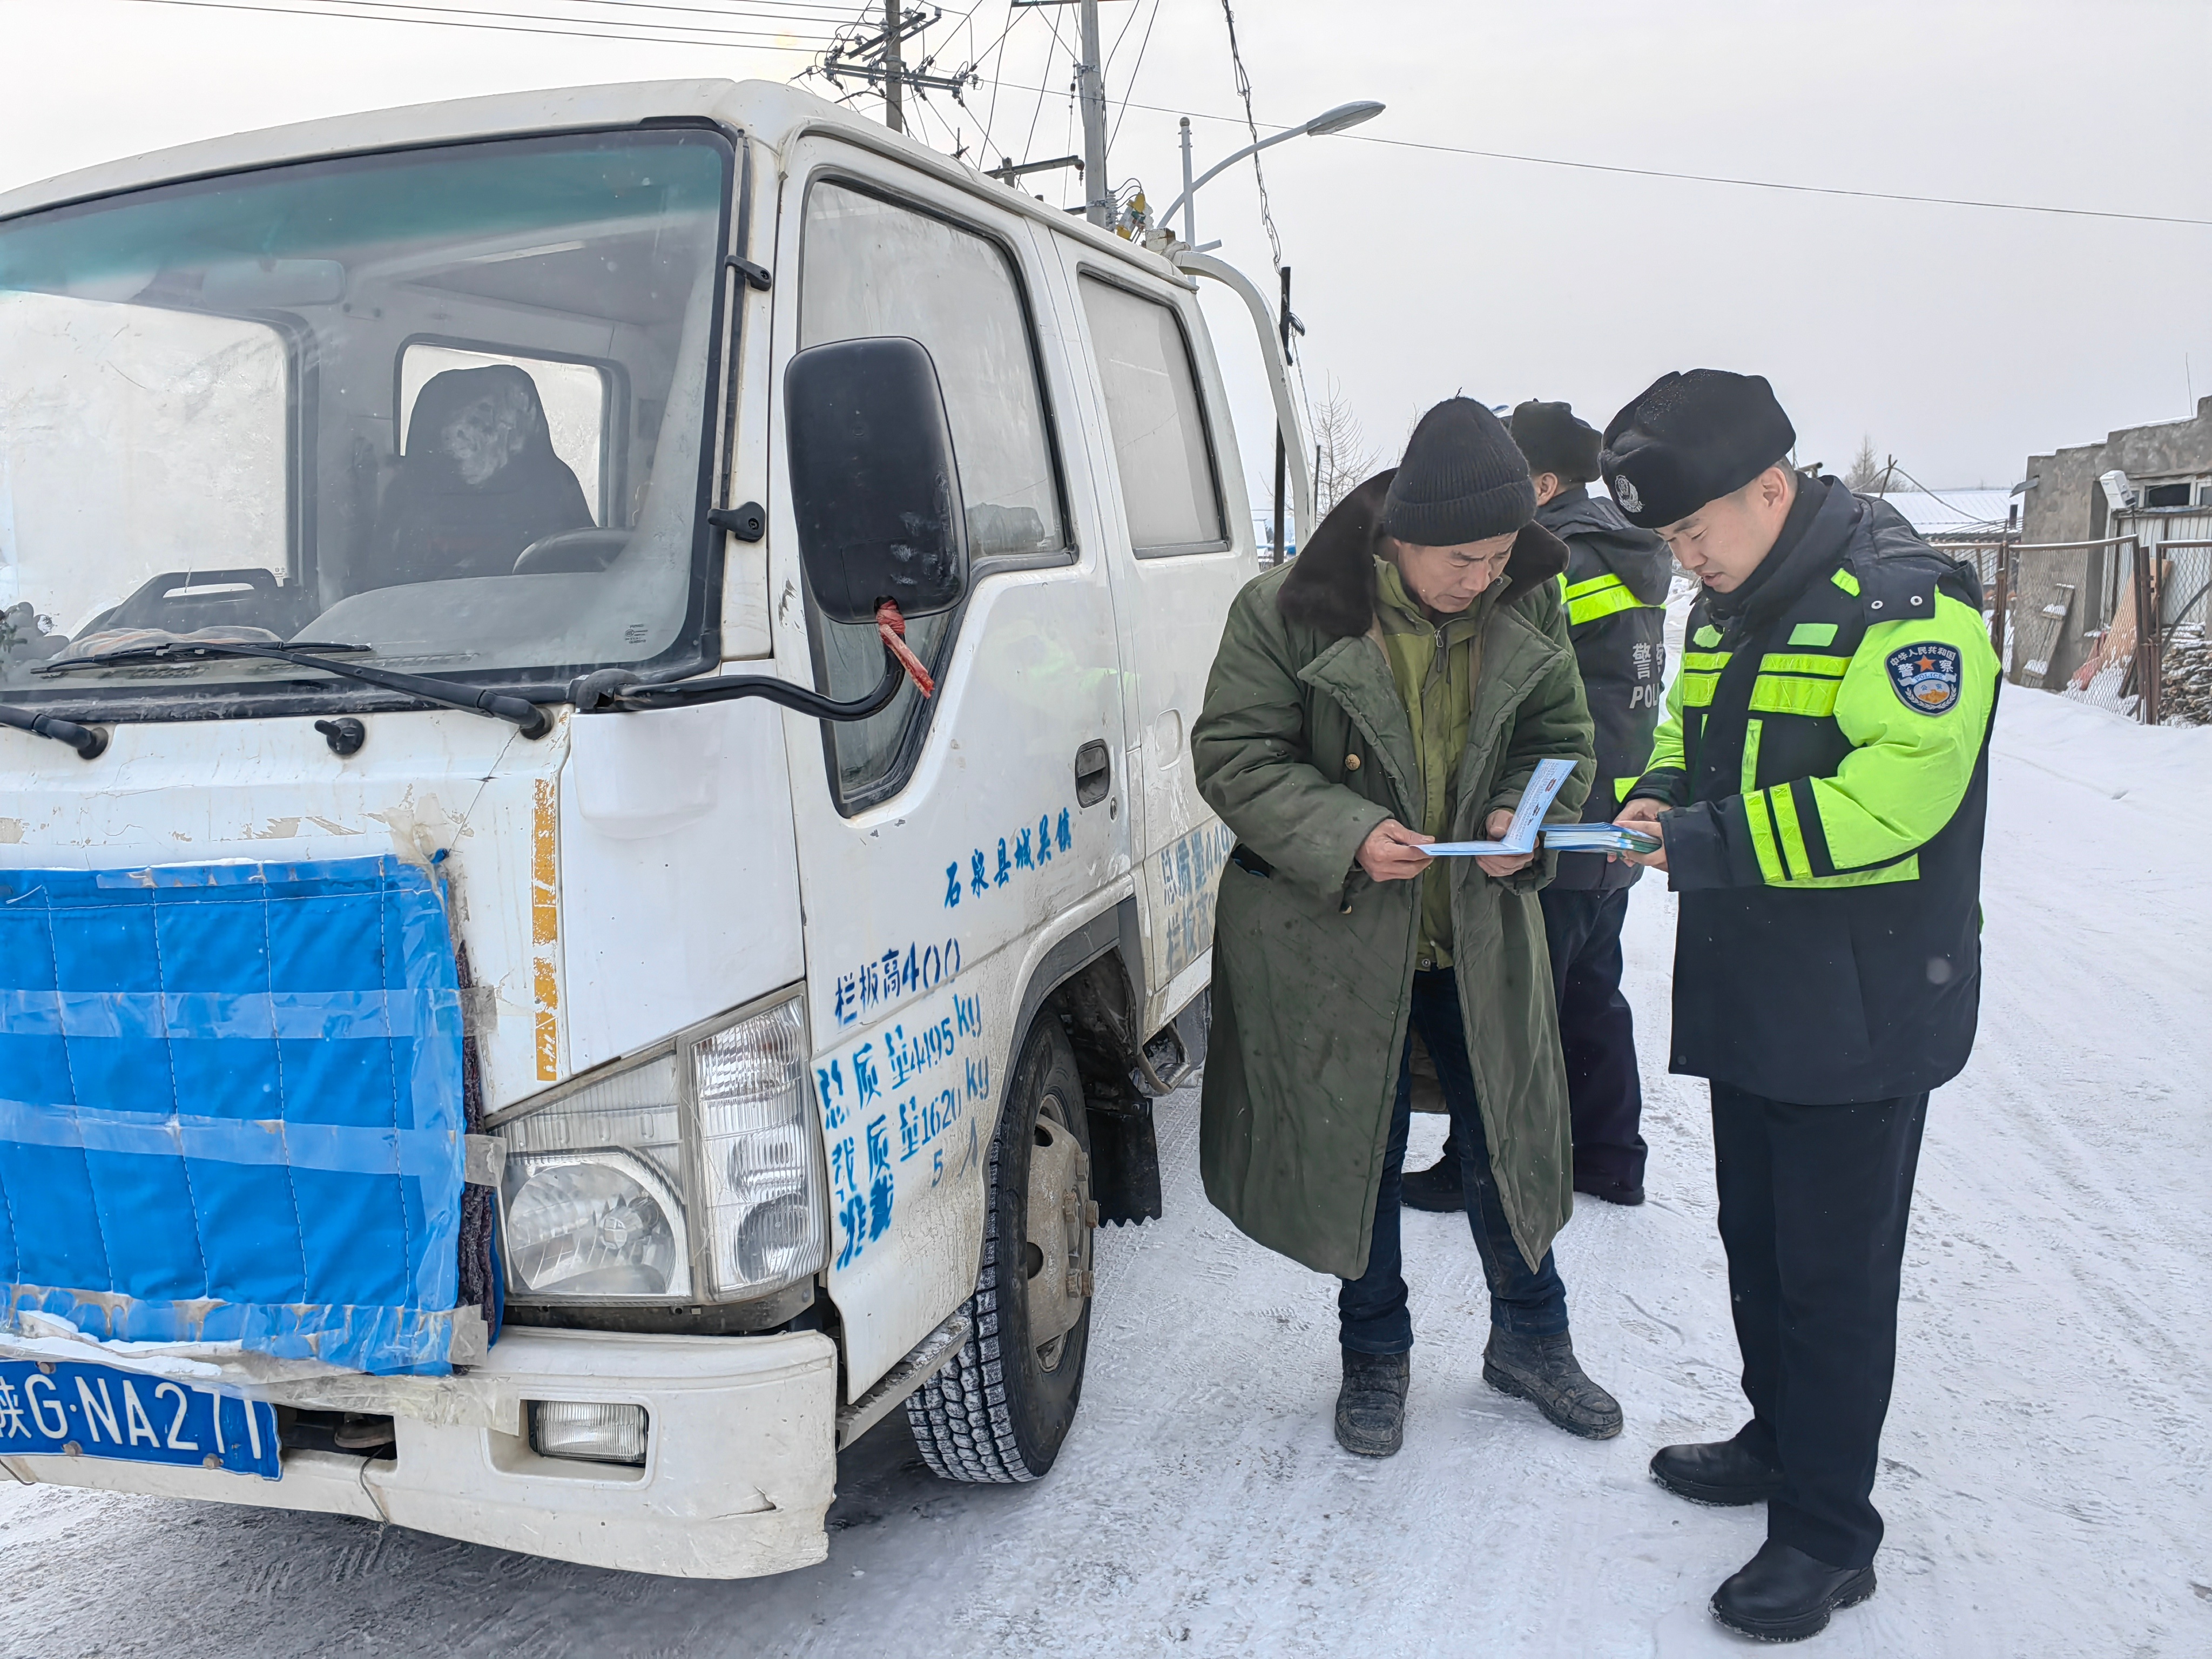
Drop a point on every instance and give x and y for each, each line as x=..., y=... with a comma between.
x=442, y=404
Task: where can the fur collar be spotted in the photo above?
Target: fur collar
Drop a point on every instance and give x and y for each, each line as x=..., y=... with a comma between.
x=1331, y=586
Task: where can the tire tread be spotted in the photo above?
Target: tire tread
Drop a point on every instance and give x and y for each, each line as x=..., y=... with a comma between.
x=959, y=1417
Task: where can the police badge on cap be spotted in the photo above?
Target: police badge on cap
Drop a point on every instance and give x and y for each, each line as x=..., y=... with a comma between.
x=1690, y=439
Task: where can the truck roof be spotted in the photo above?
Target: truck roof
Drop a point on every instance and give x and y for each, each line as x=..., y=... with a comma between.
x=770, y=112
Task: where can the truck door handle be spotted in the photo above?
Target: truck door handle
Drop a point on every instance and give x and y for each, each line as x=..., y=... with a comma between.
x=1094, y=773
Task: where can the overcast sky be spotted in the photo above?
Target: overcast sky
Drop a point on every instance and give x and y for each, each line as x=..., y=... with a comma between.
x=1961, y=339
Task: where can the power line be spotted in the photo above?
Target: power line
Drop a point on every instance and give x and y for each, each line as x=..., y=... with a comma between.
x=1259, y=175
x=1691, y=178
x=1930, y=494
x=1114, y=51
x=747, y=40
x=1136, y=69
x=692, y=35
x=1772, y=183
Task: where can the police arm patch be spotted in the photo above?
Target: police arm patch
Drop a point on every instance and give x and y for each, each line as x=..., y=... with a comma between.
x=1926, y=678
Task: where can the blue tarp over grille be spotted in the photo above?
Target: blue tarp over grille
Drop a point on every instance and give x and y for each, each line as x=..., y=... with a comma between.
x=231, y=1107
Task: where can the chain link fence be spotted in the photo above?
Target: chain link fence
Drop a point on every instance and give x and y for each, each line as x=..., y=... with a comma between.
x=2118, y=623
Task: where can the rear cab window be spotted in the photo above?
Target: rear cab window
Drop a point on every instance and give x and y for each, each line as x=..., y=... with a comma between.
x=578, y=398
x=1170, y=486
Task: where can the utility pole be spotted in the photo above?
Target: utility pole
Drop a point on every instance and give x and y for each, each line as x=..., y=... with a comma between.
x=1285, y=326
x=879, y=60
x=894, y=71
x=1091, y=86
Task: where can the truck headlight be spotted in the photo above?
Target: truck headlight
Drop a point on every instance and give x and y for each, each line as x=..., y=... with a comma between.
x=591, y=1191
x=694, y=1173
x=764, y=1210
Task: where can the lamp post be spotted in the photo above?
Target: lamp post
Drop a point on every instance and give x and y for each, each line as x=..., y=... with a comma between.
x=1329, y=121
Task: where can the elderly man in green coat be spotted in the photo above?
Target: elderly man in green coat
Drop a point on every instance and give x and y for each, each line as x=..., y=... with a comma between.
x=1396, y=685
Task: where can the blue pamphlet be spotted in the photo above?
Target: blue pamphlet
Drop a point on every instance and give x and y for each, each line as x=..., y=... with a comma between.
x=1528, y=824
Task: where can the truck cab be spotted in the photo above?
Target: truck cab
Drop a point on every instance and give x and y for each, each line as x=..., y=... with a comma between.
x=519, y=1018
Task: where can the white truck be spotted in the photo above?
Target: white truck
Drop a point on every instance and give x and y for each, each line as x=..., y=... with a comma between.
x=518, y=1016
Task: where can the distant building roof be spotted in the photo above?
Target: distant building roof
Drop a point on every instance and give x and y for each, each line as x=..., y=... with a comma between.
x=1952, y=512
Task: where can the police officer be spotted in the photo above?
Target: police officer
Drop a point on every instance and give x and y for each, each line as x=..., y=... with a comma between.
x=1819, y=782
x=1616, y=584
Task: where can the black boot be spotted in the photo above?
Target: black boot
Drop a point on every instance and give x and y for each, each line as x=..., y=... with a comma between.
x=1612, y=1188
x=1722, y=1472
x=1370, y=1407
x=1437, y=1188
x=1783, y=1595
x=1543, y=1370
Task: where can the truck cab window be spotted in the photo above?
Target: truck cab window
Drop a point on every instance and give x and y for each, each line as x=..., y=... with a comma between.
x=1169, y=495
x=443, y=404
x=871, y=267
x=479, y=481
x=91, y=385
x=575, y=399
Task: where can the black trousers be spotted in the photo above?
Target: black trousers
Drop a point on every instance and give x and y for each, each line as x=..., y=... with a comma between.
x=1604, y=1095
x=1814, y=1202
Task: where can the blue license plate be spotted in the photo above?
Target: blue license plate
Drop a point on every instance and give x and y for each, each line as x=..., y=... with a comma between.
x=61, y=1408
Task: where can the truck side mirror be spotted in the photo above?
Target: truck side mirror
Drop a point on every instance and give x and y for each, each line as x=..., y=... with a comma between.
x=874, y=485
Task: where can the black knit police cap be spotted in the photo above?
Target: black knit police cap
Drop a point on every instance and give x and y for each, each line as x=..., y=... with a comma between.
x=1690, y=439
x=1461, y=480
x=1555, y=441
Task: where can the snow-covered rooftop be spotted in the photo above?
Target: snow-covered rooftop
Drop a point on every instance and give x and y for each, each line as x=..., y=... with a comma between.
x=1951, y=512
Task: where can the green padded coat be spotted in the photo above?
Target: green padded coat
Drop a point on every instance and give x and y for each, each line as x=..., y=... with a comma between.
x=1303, y=747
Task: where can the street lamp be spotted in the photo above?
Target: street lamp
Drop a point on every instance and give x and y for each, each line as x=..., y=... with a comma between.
x=1331, y=120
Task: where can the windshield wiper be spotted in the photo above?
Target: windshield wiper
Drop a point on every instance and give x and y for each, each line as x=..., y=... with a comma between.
x=87, y=740
x=528, y=717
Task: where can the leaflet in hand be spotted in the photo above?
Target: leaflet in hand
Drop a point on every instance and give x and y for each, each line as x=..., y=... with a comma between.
x=1535, y=801
x=1529, y=821
x=1600, y=838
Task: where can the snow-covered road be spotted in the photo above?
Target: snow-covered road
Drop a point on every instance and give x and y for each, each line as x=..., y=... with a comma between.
x=2047, y=1476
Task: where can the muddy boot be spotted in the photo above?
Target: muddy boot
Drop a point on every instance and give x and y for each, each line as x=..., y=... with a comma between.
x=1543, y=1370
x=1436, y=1187
x=1370, y=1407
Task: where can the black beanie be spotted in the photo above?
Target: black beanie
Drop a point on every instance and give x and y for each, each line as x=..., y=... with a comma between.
x=1461, y=480
x=1554, y=440
x=1690, y=439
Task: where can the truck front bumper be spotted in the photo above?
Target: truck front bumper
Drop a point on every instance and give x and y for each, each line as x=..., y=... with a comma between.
x=740, y=1454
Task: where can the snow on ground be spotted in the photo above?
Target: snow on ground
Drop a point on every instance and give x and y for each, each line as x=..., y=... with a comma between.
x=2045, y=1476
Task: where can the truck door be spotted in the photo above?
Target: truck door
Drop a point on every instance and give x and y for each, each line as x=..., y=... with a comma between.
x=944, y=843
x=1181, y=548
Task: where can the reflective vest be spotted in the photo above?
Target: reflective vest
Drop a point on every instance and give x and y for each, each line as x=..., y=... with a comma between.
x=1828, y=752
x=1615, y=588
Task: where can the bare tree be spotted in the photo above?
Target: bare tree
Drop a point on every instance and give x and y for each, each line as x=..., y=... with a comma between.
x=1343, y=457
x=1867, y=473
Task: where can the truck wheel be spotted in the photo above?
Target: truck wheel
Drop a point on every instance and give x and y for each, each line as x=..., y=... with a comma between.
x=998, y=1411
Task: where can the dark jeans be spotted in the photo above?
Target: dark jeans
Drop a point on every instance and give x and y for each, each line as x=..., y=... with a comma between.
x=1598, y=1034
x=1813, y=1205
x=1371, y=1309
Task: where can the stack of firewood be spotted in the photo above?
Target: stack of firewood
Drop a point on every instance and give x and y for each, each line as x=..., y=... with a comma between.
x=2185, y=696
